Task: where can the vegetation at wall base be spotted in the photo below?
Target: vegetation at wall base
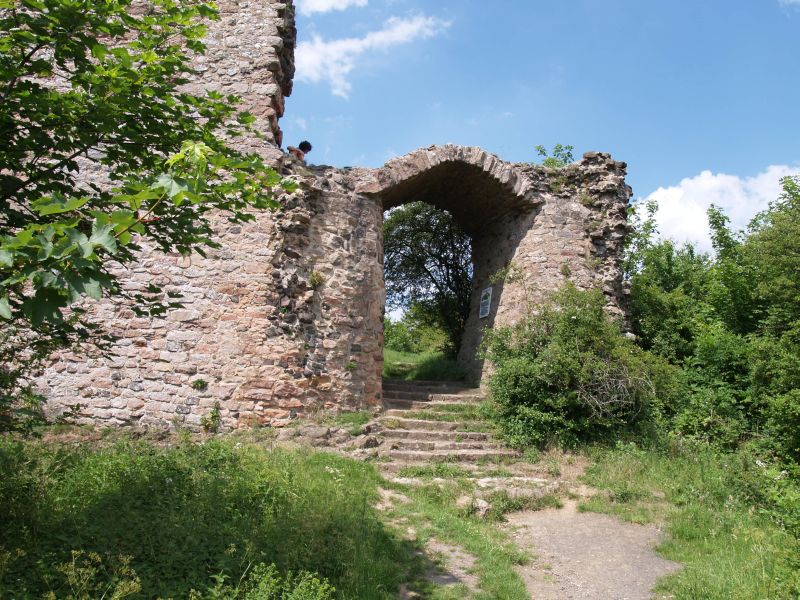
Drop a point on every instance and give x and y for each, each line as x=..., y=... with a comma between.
x=566, y=375
x=703, y=427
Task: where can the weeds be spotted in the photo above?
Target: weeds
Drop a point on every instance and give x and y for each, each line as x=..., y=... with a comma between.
x=173, y=518
x=501, y=504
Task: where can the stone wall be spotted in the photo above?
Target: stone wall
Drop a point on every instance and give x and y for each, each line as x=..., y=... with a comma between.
x=250, y=53
x=286, y=318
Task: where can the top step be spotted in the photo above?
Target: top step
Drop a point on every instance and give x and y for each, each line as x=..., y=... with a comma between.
x=433, y=387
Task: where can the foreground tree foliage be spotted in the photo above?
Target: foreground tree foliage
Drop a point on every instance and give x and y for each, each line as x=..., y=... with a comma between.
x=103, y=152
x=428, y=263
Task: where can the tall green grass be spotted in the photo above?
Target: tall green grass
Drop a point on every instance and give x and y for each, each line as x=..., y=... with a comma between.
x=77, y=522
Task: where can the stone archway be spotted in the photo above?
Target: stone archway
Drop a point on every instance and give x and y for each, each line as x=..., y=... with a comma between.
x=486, y=196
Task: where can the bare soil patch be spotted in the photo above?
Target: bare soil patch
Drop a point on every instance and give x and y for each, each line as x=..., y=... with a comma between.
x=587, y=556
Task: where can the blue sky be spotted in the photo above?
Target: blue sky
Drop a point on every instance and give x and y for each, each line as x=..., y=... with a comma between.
x=701, y=98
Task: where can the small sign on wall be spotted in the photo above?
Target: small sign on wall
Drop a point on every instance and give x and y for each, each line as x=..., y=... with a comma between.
x=486, y=303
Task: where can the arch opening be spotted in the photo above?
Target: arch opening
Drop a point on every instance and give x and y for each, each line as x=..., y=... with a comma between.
x=487, y=201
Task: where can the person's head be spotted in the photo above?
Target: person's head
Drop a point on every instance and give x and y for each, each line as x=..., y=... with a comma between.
x=305, y=147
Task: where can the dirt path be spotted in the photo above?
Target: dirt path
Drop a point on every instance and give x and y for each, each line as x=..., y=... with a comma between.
x=587, y=556
x=432, y=434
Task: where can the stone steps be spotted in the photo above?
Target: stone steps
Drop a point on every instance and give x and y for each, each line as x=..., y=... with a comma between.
x=451, y=456
x=425, y=394
x=427, y=435
x=473, y=470
x=440, y=387
x=454, y=403
x=428, y=423
x=435, y=415
x=514, y=487
x=419, y=424
x=443, y=446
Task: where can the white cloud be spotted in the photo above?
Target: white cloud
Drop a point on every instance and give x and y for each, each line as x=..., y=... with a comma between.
x=790, y=2
x=332, y=61
x=682, y=208
x=301, y=123
x=309, y=7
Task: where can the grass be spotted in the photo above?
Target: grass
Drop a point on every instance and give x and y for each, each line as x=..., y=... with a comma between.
x=429, y=366
x=352, y=421
x=432, y=512
x=434, y=470
x=223, y=518
x=502, y=504
x=711, y=507
x=133, y=519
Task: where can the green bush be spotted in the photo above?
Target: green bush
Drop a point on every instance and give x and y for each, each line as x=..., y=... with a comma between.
x=783, y=425
x=566, y=374
x=165, y=521
x=398, y=337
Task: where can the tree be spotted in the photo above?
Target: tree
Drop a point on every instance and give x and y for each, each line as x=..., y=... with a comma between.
x=731, y=320
x=102, y=150
x=428, y=263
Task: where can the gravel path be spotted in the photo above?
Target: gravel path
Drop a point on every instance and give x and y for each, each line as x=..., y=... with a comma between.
x=587, y=556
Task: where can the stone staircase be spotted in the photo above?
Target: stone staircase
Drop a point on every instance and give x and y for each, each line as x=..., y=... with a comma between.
x=429, y=421
x=434, y=431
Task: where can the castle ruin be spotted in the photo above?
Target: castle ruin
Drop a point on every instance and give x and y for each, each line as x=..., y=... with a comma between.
x=286, y=317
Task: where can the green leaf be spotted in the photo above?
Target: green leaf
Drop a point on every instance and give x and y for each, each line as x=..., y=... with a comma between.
x=102, y=235
x=174, y=188
x=93, y=289
x=5, y=308
x=55, y=205
x=123, y=219
x=6, y=258
x=44, y=306
x=99, y=51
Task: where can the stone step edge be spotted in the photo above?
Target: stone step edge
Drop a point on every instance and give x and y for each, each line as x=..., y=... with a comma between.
x=481, y=482
x=408, y=434
x=425, y=424
x=433, y=406
x=428, y=383
x=457, y=398
x=447, y=456
x=442, y=446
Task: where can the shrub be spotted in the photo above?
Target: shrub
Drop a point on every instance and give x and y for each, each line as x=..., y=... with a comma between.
x=398, y=337
x=566, y=374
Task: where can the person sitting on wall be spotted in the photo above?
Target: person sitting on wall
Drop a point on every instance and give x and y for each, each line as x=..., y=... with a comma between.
x=300, y=152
